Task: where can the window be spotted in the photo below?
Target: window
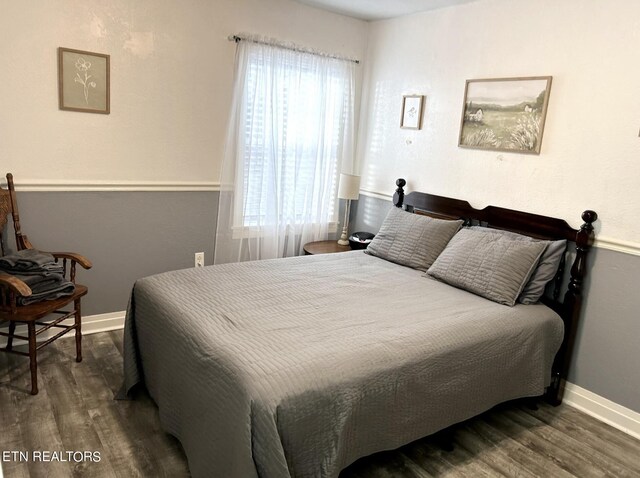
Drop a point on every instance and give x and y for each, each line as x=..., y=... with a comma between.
x=294, y=112
x=290, y=135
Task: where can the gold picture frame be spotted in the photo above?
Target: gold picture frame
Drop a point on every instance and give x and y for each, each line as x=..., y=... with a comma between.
x=83, y=81
x=505, y=114
x=412, y=106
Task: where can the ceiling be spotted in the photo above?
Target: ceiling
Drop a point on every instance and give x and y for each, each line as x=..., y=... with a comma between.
x=380, y=9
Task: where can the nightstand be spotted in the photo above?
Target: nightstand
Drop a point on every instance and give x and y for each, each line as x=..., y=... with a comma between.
x=324, y=247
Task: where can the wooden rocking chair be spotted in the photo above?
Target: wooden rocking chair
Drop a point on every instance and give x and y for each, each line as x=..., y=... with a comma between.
x=12, y=288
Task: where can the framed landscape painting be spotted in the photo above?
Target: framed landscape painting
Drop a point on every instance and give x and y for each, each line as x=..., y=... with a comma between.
x=83, y=81
x=505, y=114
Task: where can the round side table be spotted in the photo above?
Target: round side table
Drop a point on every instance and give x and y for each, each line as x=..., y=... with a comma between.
x=324, y=247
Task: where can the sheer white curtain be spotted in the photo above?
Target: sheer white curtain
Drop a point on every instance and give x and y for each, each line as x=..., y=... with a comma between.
x=290, y=135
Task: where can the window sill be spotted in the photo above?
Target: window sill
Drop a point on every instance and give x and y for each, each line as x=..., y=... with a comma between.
x=250, y=232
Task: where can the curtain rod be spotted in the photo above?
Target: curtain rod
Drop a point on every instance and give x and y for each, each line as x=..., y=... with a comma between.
x=288, y=46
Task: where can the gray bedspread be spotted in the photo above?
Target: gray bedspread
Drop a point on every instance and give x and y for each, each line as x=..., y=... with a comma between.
x=298, y=367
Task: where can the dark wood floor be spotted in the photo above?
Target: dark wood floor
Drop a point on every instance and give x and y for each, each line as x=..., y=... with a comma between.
x=75, y=411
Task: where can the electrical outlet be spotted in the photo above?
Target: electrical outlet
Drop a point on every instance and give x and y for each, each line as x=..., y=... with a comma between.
x=199, y=259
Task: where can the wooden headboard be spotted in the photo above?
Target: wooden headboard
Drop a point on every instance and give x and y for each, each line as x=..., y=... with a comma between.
x=539, y=227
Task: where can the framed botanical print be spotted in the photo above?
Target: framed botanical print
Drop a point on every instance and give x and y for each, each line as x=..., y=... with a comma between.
x=83, y=81
x=412, y=111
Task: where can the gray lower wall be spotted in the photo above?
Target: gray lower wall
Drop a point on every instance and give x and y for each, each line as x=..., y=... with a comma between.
x=605, y=359
x=127, y=235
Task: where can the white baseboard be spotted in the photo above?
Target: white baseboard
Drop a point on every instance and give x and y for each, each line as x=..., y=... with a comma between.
x=91, y=324
x=594, y=405
x=603, y=409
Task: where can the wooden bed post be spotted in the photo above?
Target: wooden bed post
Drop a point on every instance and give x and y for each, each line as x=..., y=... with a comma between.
x=398, y=197
x=21, y=240
x=572, y=306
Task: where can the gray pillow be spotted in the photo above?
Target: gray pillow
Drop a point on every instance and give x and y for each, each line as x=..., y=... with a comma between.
x=490, y=265
x=411, y=239
x=544, y=271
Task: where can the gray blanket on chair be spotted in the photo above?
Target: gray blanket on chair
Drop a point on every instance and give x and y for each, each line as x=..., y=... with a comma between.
x=40, y=272
x=45, y=286
x=29, y=261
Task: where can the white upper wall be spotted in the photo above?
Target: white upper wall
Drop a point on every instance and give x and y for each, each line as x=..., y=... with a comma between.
x=590, y=154
x=171, y=83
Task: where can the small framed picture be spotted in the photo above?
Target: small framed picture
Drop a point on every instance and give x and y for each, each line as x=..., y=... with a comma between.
x=83, y=81
x=412, y=111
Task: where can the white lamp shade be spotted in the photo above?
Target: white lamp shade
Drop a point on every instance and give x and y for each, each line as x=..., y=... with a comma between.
x=349, y=187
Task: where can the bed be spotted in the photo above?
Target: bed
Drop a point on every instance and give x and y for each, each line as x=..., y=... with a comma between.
x=300, y=366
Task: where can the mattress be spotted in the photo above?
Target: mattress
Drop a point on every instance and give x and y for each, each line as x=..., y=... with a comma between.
x=297, y=367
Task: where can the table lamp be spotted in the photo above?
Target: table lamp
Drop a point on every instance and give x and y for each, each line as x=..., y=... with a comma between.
x=349, y=188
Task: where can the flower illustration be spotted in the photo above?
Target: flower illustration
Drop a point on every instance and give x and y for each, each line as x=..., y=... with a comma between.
x=83, y=66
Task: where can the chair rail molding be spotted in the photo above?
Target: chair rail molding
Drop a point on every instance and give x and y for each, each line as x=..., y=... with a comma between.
x=55, y=185
x=602, y=242
x=375, y=194
x=611, y=244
